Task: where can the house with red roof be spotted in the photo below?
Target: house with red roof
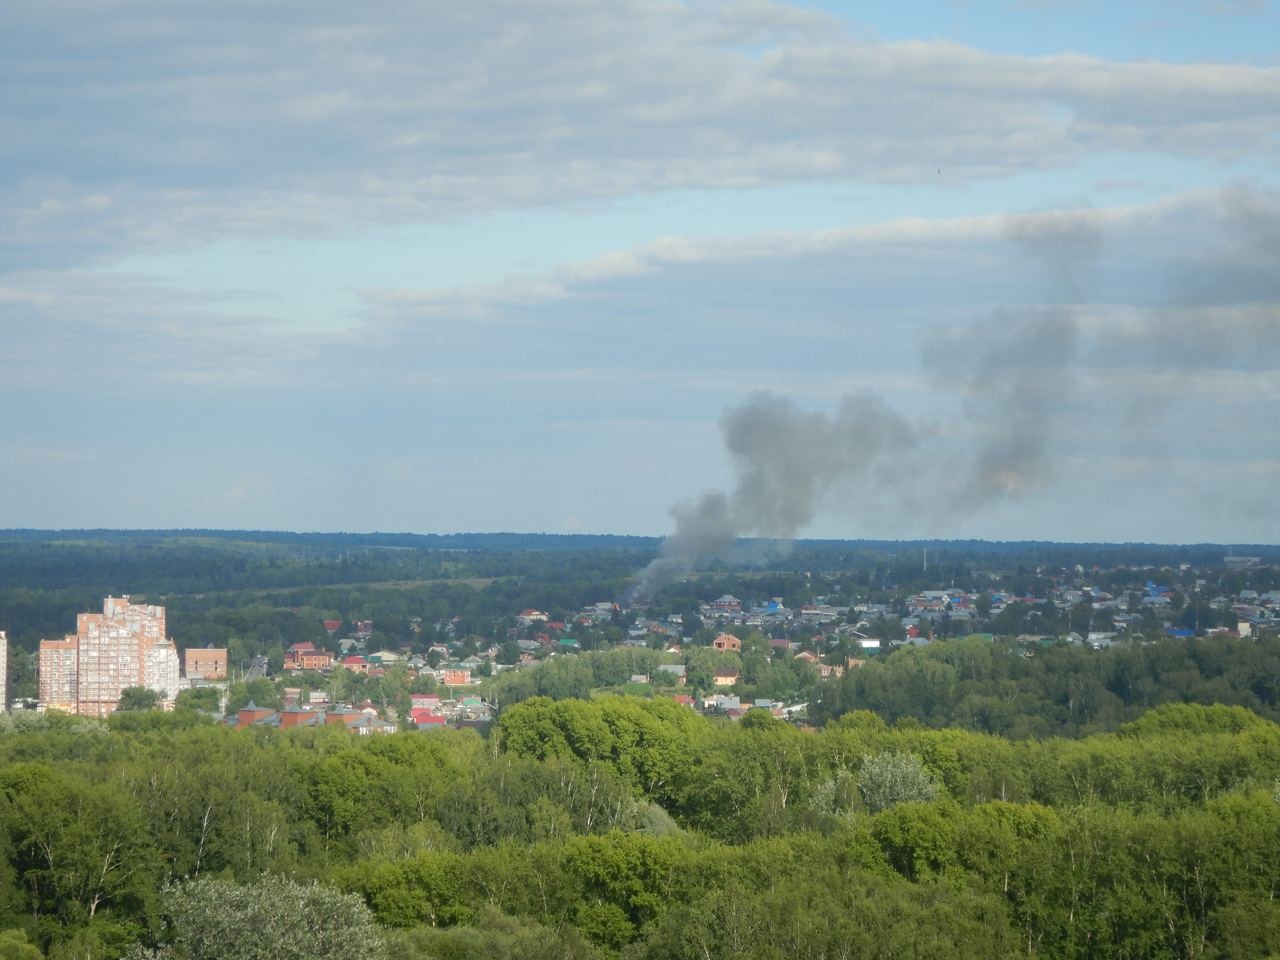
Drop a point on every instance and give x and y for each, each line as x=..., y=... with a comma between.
x=427, y=718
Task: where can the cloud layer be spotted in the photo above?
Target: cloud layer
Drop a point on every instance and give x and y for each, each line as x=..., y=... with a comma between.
x=143, y=125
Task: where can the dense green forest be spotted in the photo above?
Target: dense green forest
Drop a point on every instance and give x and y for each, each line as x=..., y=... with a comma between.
x=624, y=827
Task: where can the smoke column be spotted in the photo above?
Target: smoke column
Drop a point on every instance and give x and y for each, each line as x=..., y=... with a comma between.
x=1021, y=379
x=789, y=461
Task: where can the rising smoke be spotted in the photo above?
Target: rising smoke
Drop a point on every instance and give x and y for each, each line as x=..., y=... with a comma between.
x=788, y=462
x=1024, y=372
x=1017, y=388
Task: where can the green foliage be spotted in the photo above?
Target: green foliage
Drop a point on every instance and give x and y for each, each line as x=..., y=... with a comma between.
x=15, y=946
x=137, y=698
x=1063, y=690
x=208, y=699
x=77, y=847
x=629, y=826
x=493, y=935
x=425, y=889
x=919, y=840
x=887, y=779
x=269, y=919
x=649, y=743
x=100, y=940
x=1194, y=719
x=261, y=693
x=23, y=680
x=824, y=915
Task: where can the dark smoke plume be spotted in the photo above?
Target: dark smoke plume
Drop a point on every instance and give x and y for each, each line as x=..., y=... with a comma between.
x=1021, y=380
x=789, y=461
x=1022, y=372
x=1017, y=388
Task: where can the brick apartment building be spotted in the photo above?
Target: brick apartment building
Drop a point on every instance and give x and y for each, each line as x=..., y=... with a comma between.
x=57, y=672
x=124, y=646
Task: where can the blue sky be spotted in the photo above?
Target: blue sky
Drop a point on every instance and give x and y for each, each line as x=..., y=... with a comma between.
x=513, y=266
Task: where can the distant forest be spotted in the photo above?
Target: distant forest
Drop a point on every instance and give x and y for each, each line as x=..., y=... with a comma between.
x=171, y=561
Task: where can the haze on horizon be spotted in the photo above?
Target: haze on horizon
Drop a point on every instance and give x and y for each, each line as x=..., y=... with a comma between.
x=995, y=270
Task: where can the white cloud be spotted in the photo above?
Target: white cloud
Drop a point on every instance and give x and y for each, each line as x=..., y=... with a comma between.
x=133, y=125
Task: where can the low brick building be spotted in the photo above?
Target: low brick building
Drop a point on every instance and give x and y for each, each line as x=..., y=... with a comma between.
x=205, y=663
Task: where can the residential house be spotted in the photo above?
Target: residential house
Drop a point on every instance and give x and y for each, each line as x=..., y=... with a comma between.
x=366, y=726
x=727, y=643
x=293, y=656
x=355, y=663
x=819, y=613
x=428, y=720
x=319, y=660
x=676, y=670
x=727, y=604
x=725, y=677
x=424, y=701
x=721, y=701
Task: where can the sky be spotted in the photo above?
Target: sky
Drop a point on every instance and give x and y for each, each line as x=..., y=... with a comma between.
x=1007, y=270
